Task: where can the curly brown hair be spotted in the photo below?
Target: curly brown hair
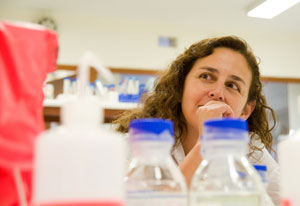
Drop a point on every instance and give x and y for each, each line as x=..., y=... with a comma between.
x=165, y=101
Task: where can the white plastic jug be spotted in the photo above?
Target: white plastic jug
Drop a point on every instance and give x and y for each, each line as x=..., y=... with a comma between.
x=289, y=161
x=80, y=162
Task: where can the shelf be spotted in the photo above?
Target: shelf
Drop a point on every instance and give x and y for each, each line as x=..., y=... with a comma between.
x=105, y=104
x=112, y=110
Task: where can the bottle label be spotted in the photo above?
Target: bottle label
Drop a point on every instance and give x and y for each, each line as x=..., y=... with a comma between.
x=156, y=199
x=226, y=200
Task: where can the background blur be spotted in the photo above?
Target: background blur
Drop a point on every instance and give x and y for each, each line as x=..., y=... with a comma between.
x=148, y=35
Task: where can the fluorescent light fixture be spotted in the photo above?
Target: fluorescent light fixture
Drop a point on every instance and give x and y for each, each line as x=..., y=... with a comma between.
x=270, y=8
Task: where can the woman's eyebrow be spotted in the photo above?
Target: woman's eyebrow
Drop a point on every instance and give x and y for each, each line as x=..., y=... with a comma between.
x=210, y=69
x=214, y=70
x=237, y=78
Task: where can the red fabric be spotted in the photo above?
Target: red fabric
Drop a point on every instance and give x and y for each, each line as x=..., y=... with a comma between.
x=27, y=54
x=8, y=190
x=285, y=202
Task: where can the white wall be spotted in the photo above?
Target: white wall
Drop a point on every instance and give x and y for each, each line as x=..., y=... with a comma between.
x=133, y=44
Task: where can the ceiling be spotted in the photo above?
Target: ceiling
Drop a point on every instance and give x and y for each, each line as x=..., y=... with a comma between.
x=216, y=13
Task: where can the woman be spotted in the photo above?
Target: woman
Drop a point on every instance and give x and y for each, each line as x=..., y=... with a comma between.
x=214, y=78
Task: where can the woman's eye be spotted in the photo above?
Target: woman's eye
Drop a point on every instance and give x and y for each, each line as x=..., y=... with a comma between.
x=205, y=76
x=233, y=86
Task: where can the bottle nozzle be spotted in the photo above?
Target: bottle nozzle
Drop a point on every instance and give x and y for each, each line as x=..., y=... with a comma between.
x=90, y=60
x=84, y=110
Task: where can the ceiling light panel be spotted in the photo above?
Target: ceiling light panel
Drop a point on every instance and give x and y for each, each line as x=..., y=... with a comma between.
x=271, y=8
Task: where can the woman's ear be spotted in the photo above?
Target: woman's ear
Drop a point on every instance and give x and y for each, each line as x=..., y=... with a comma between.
x=248, y=109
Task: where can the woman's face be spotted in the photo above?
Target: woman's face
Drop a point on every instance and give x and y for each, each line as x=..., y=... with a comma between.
x=217, y=86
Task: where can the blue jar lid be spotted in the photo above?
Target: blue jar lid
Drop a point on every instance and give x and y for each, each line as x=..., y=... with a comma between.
x=227, y=123
x=152, y=125
x=151, y=129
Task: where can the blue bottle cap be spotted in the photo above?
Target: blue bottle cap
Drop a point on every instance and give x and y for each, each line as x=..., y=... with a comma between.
x=227, y=123
x=260, y=167
x=153, y=126
x=232, y=129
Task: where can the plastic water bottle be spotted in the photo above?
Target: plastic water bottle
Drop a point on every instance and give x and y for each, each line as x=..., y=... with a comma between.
x=225, y=177
x=153, y=178
x=262, y=171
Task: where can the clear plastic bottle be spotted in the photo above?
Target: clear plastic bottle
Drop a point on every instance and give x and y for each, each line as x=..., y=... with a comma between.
x=153, y=177
x=225, y=177
x=262, y=171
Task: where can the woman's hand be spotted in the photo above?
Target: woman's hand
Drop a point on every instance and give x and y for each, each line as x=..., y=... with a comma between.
x=211, y=110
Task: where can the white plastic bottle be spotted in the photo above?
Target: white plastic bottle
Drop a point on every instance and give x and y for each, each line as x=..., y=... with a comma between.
x=153, y=178
x=79, y=162
x=289, y=157
x=67, y=86
x=225, y=177
x=130, y=86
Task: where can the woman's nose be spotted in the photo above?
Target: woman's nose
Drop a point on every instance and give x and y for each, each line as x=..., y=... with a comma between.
x=216, y=94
